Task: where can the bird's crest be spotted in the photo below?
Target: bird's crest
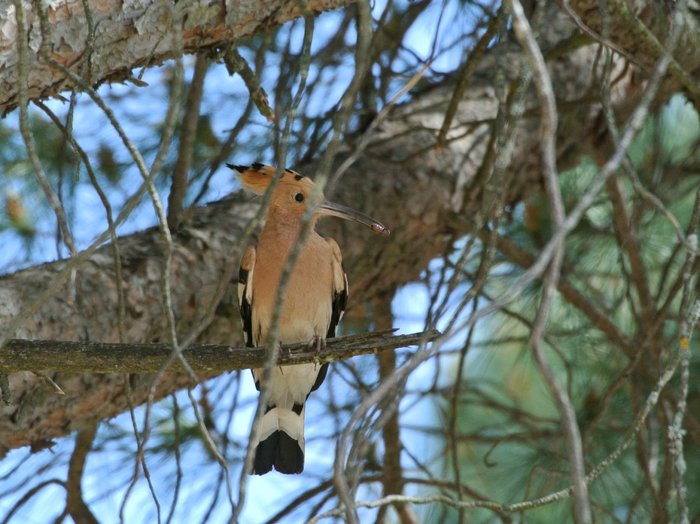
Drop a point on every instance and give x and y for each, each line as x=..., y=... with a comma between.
x=292, y=193
x=257, y=177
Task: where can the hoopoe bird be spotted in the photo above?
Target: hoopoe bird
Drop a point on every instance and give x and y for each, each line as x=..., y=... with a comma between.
x=313, y=304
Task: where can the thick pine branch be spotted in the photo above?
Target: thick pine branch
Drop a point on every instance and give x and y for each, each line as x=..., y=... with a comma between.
x=97, y=357
x=116, y=37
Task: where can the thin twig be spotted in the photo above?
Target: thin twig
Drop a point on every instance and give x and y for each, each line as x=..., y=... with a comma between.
x=539, y=265
x=341, y=466
x=466, y=72
x=28, y=495
x=651, y=402
x=118, y=277
x=543, y=82
x=178, y=459
x=140, y=459
x=27, y=135
x=235, y=63
x=187, y=137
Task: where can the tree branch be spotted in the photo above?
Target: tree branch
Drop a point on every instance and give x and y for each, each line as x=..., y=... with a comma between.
x=392, y=474
x=101, y=357
x=186, y=139
x=75, y=504
x=129, y=36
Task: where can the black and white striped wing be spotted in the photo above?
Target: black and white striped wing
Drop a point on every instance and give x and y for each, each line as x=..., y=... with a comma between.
x=245, y=293
x=340, y=288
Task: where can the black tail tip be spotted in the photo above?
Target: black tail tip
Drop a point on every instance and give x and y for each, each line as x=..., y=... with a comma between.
x=280, y=451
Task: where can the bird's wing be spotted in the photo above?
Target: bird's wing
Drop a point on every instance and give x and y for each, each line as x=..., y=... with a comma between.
x=340, y=288
x=338, y=302
x=245, y=293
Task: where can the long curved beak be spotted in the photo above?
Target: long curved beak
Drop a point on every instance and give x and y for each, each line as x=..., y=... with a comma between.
x=336, y=210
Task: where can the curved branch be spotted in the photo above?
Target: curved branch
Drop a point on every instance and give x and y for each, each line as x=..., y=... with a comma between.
x=75, y=504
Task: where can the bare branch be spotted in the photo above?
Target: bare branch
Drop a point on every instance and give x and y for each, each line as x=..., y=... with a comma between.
x=187, y=136
x=392, y=475
x=75, y=504
x=235, y=63
x=582, y=507
x=99, y=357
x=650, y=402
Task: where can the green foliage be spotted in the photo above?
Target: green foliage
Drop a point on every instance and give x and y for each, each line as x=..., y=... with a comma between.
x=510, y=442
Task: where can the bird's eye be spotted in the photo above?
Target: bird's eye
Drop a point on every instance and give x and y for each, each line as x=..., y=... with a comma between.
x=299, y=197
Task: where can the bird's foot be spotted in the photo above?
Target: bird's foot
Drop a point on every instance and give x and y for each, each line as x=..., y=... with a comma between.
x=281, y=350
x=319, y=344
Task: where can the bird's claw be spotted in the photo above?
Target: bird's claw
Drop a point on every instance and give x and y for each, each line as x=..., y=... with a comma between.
x=282, y=350
x=318, y=343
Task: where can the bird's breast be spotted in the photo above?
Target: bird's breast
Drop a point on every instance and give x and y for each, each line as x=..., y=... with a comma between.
x=307, y=303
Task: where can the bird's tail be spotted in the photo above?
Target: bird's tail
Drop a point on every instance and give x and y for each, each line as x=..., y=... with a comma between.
x=281, y=442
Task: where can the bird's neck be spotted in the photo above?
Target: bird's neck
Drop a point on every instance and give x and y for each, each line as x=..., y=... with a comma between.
x=280, y=220
x=282, y=230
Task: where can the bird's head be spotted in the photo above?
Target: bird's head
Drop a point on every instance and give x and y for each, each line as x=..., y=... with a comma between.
x=294, y=192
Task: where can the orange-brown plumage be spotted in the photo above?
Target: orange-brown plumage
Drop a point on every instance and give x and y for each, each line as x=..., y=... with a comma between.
x=311, y=307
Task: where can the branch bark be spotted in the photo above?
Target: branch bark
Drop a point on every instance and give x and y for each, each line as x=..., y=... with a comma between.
x=75, y=504
x=392, y=474
x=99, y=357
x=128, y=35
